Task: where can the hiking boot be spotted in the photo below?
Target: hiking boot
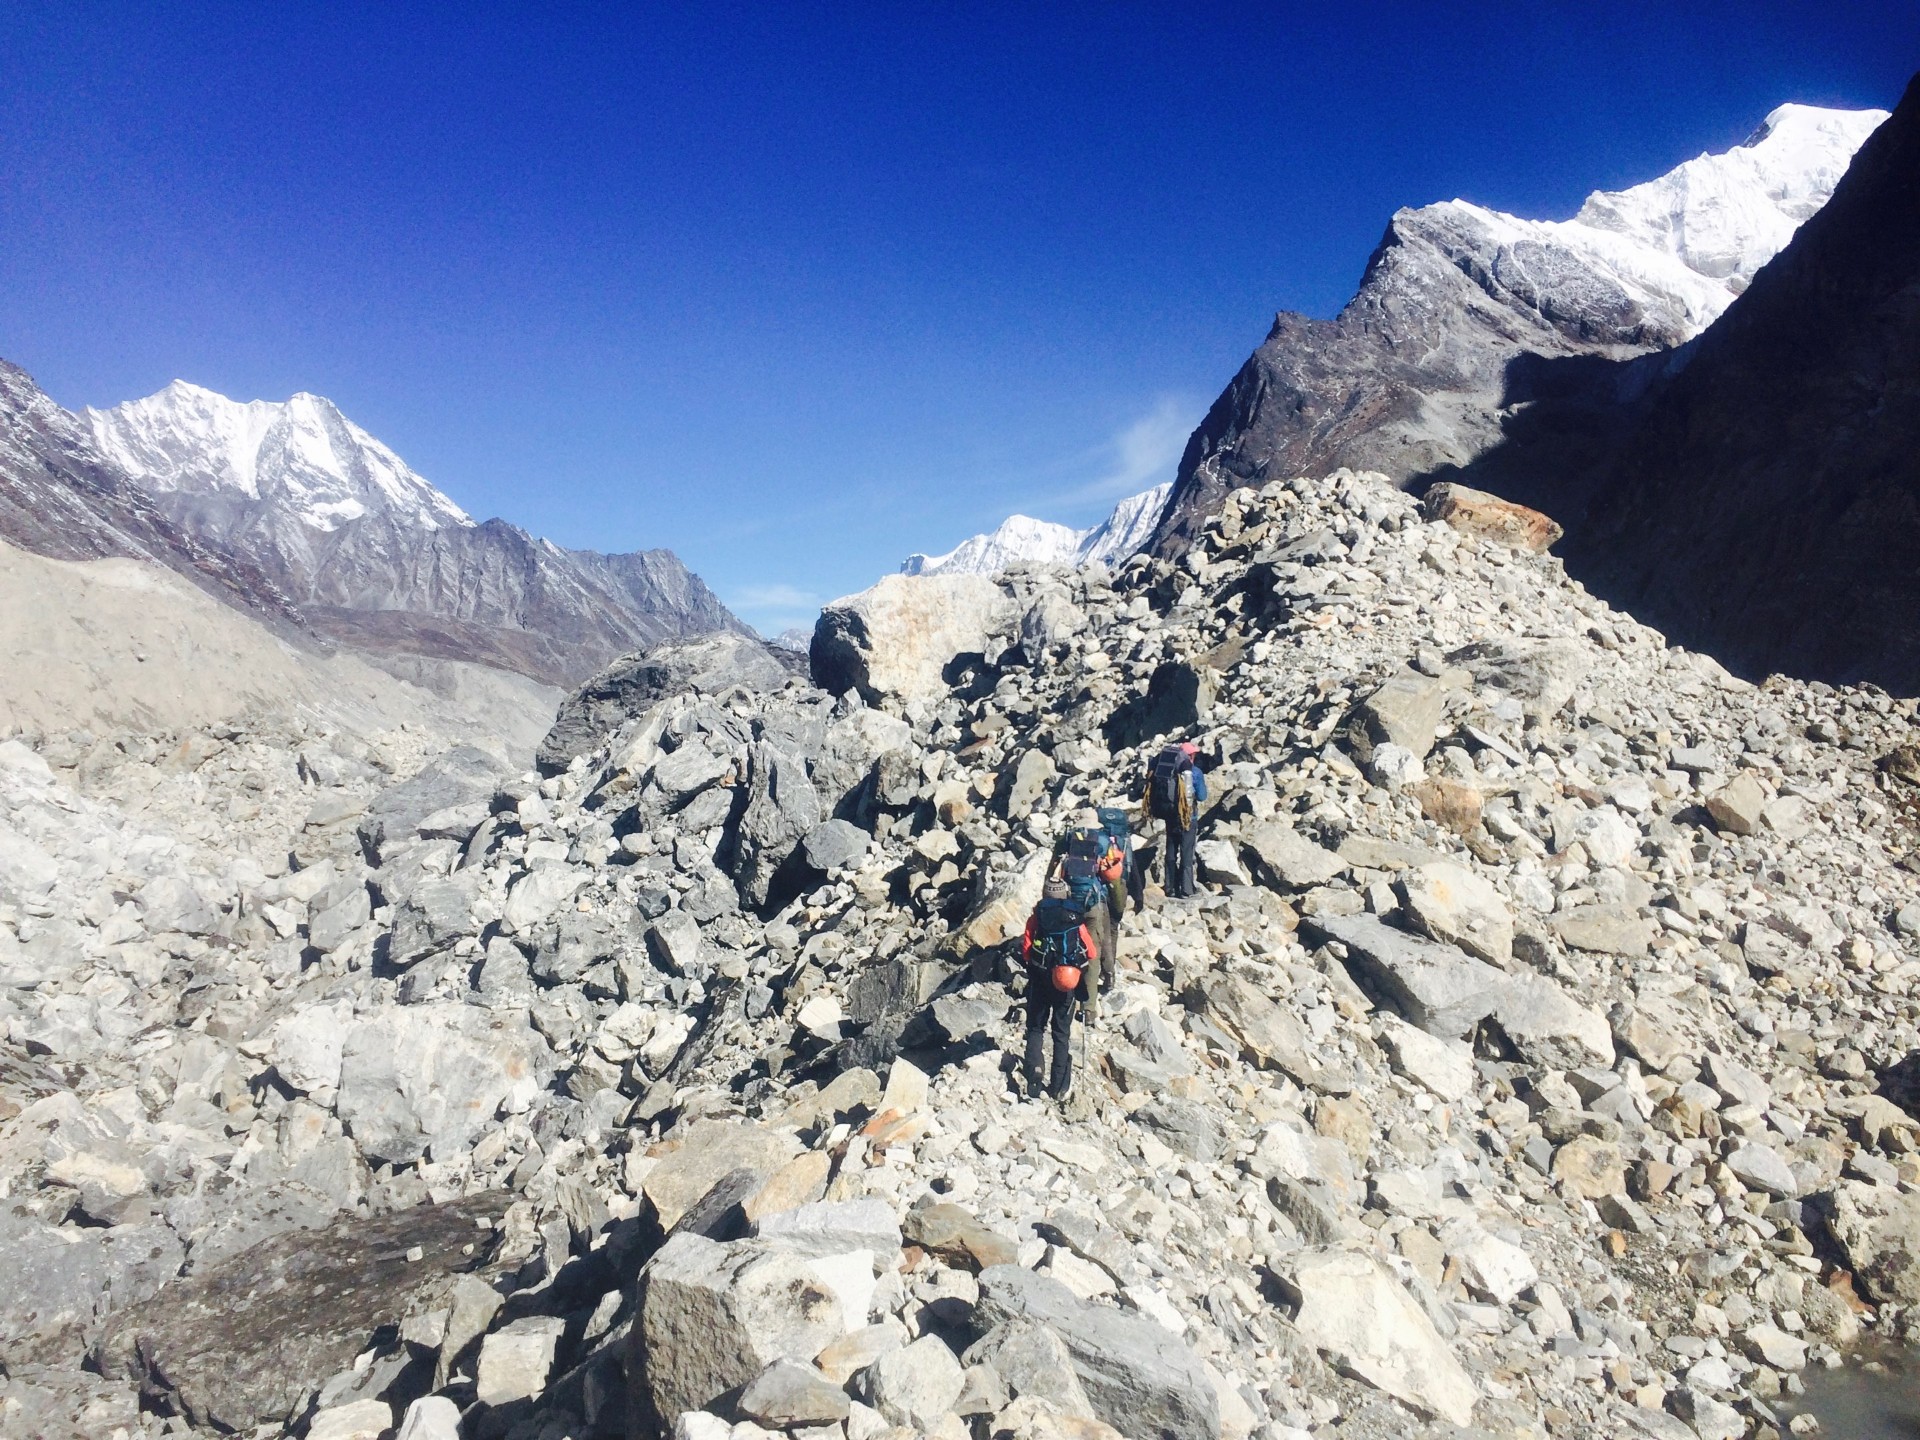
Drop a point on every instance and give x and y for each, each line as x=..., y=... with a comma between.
x=1065, y=1092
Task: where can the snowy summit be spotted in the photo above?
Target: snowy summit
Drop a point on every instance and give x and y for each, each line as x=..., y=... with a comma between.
x=1020, y=539
x=300, y=457
x=1687, y=243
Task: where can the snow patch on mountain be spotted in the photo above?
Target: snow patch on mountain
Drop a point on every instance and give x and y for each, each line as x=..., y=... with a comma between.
x=1021, y=539
x=300, y=456
x=1686, y=244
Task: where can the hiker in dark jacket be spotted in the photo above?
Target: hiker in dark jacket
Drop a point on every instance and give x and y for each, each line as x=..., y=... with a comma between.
x=1175, y=790
x=1057, y=948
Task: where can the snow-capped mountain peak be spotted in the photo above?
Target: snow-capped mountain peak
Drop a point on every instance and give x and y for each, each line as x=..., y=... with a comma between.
x=300, y=456
x=1686, y=243
x=1021, y=539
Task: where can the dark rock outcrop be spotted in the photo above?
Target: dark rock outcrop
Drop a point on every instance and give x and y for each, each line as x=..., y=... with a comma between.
x=245, y=1341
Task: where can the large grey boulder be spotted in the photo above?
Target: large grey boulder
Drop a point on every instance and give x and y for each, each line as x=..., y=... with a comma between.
x=1452, y=903
x=458, y=777
x=1541, y=674
x=1449, y=993
x=1287, y=859
x=835, y=844
x=895, y=640
x=782, y=809
x=1366, y=1323
x=714, y=1316
x=711, y=1151
x=915, y=1385
x=1138, y=1377
x=429, y=919
x=244, y=1342
x=634, y=684
x=1405, y=711
x=60, y=1280
x=1178, y=700
x=435, y=1075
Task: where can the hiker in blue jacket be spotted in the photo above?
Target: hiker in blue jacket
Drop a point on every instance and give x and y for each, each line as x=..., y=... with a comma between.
x=1175, y=791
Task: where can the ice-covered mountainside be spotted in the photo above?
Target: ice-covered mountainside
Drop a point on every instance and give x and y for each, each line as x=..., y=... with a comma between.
x=1690, y=241
x=1464, y=311
x=1022, y=539
x=301, y=456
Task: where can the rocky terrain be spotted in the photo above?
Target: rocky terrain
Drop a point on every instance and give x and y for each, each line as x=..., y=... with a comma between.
x=1466, y=317
x=1755, y=494
x=300, y=519
x=1534, y=1063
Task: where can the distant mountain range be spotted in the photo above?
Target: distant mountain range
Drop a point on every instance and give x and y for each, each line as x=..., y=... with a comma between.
x=1422, y=367
x=295, y=514
x=1020, y=539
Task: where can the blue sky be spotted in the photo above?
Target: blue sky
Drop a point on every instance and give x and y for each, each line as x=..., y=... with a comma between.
x=798, y=289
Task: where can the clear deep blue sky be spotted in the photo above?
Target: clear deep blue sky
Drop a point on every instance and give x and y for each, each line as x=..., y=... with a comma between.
x=797, y=289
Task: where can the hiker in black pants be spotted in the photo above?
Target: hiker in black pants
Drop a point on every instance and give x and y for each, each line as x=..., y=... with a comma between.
x=1175, y=791
x=1057, y=949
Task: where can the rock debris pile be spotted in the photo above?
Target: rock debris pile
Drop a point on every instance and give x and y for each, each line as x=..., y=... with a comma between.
x=1534, y=1064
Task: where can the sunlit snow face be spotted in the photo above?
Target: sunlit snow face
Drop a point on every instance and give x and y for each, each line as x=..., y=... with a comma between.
x=1687, y=243
x=302, y=455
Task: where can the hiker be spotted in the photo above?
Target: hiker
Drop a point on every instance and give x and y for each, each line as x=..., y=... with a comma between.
x=1175, y=789
x=1092, y=860
x=1058, y=948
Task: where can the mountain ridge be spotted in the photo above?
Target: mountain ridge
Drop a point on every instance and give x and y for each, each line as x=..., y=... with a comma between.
x=1416, y=371
x=377, y=557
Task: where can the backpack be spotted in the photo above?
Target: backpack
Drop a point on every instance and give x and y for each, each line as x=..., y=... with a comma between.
x=1170, y=788
x=1086, y=864
x=1060, y=951
x=1120, y=831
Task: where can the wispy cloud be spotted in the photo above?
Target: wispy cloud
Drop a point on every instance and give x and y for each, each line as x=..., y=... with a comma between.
x=1142, y=453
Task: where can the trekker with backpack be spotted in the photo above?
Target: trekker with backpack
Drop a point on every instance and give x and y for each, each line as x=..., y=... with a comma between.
x=1092, y=862
x=1058, y=948
x=1175, y=790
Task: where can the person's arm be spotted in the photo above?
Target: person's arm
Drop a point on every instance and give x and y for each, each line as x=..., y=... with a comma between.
x=1199, y=785
x=1026, y=940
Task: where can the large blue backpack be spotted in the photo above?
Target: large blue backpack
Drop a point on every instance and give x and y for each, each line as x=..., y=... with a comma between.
x=1080, y=856
x=1057, y=936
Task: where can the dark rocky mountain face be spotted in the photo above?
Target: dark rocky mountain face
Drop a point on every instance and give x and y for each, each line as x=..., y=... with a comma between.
x=374, y=557
x=59, y=496
x=1460, y=307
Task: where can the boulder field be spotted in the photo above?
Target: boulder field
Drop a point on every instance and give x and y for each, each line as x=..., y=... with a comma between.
x=1536, y=1062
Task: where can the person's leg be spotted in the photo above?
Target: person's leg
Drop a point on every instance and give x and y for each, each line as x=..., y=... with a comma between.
x=1039, y=1013
x=1189, y=879
x=1170, y=861
x=1097, y=926
x=1062, y=1075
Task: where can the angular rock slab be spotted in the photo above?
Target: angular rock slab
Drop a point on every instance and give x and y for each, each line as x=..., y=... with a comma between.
x=241, y=1343
x=1139, y=1378
x=713, y=1316
x=1447, y=992
x=435, y=1075
x=1356, y=1313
